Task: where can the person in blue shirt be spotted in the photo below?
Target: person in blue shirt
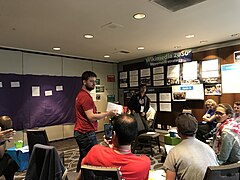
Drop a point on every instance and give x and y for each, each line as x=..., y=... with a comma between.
x=208, y=123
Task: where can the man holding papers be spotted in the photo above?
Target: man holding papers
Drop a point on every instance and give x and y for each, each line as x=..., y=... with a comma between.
x=86, y=116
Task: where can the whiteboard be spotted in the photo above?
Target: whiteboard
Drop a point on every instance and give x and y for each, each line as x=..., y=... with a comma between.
x=230, y=78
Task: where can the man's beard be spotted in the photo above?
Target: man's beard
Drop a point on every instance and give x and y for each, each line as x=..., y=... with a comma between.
x=89, y=88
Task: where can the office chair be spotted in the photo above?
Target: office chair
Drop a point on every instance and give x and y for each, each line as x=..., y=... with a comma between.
x=99, y=173
x=228, y=172
x=39, y=137
x=146, y=138
x=45, y=164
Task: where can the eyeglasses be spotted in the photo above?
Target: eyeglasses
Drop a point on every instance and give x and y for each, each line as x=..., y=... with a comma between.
x=219, y=113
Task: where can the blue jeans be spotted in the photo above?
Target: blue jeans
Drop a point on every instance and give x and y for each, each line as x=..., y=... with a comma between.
x=85, y=142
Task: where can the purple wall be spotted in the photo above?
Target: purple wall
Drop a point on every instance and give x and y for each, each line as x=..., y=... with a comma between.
x=27, y=111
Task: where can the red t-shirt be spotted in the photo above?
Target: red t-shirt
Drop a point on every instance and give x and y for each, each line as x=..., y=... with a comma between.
x=84, y=102
x=132, y=167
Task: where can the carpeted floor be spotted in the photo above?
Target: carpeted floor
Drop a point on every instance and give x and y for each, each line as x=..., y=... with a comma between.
x=71, y=155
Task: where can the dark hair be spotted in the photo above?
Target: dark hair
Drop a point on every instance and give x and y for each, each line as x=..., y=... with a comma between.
x=237, y=103
x=126, y=129
x=142, y=85
x=87, y=74
x=5, y=122
x=187, y=124
x=228, y=108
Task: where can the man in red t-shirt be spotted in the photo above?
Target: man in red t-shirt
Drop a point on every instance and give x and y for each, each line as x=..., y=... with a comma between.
x=86, y=116
x=118, y=154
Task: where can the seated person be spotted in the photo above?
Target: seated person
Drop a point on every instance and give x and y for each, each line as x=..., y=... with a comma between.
x=191, y=157
x=236, y=108
x=8, y=166
x=227, y=137
x=209, y=123
x=119, y=154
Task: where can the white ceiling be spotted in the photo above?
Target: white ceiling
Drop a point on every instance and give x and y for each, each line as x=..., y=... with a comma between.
x=41, y=25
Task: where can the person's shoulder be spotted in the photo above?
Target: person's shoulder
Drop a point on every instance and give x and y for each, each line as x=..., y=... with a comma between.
x=143, y=158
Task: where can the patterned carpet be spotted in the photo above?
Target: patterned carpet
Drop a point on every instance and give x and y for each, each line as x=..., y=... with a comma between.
x=71, y=155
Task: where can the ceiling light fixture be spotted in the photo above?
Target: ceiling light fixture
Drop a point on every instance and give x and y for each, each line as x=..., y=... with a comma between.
x=203, y=41
x=140, y=48
x=139, y=16
x=236, y=34
x=189, y=36
x=106, y=56
x=88, y=36
x=56, y=48
x=177, y=47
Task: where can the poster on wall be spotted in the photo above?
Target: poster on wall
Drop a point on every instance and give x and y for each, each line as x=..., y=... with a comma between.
x=173, y=73
x=187, y=92
x=210, y=71
x=190, y=73
x=230, y=78
x=213, y=89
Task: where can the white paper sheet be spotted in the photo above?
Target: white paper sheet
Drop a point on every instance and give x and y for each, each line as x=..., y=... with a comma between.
x=133, y=78
x=158, y=83
x=133, y=73
x=15, y=84
x=123, y=75
x=165, y=107
x=165, y=97
x=59, y=88
x=145, y=72
x=152, y=96
x=158, y=76
x=48, y=93
x=134, y=84
x=113, y=106
x=157, y=70
x=190, y=70
x=35, y=91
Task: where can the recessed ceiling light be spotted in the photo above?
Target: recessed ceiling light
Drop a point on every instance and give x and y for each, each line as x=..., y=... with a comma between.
x=88, y=36
x=204, y=41
x=106, y=56
x=140, y=48
x=177, y=47
x=237, y=34
x=56, y=48
x=189, y=36
x=139, y=16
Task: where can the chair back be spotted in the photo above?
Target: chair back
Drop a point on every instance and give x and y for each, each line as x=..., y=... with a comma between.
x=228, y=172
x=99, y=173
x=36, y=137
x=45, y=164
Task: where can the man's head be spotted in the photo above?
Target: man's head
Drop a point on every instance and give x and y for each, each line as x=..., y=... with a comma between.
x=236, y=107
x=142, y=88
x=223, y=112
x=126, y=129
x=89, y=80
x=5, y=122
x=187, y=124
